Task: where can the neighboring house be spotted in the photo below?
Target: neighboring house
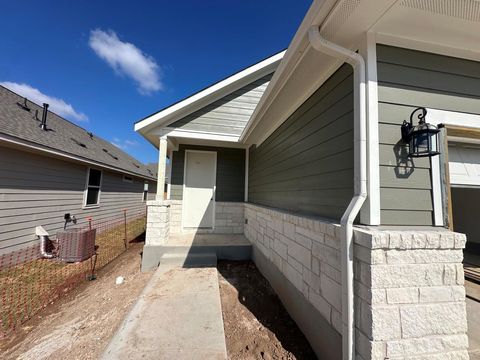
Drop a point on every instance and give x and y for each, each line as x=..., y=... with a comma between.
x=46, y=173
x=303, y=153
x=153, y=167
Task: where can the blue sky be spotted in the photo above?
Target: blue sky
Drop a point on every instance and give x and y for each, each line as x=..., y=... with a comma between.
x=106, y=64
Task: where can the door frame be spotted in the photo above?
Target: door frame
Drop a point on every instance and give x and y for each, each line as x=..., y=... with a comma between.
x=459, y=134
x=185, y=174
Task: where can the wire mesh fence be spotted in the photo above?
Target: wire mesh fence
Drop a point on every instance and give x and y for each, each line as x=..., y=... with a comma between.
x=29, y=283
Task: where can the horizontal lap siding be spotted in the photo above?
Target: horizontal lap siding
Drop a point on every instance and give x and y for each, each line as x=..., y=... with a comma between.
x=38, y=190
x=230, y=178
x=228, y=115
x=408, y=79
x=306, y=165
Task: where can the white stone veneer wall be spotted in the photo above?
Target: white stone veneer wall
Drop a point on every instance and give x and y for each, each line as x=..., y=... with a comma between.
x=175, y=216
x=158, y=222
x=412, y=295
x=229, y=217
x=409, y=294
x=306, y=251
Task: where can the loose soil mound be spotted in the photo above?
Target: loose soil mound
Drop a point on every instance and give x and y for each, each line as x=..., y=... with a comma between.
x=80, y=325
x=257, y=325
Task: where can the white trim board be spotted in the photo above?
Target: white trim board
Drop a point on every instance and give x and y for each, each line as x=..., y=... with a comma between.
x=192, y=134
x=436, y=117
x=247, y=156
x=370, y=213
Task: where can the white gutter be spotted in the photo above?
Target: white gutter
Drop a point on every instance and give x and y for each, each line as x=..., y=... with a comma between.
x=360, y=180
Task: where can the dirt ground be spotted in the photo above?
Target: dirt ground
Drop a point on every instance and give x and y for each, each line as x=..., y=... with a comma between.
x=257, y=325
x=80, y=325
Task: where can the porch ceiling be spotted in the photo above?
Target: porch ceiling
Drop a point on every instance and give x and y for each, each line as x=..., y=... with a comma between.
x=434, y=25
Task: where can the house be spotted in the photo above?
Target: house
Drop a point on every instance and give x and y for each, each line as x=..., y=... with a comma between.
x=361, y=239
x=50, y=167
x=153, y=167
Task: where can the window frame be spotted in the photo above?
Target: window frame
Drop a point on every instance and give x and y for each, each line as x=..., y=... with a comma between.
x=87, y=186
x=127, y=178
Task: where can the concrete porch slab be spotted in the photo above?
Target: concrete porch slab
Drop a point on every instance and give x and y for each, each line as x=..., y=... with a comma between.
x=178, y=316
x=223, y=246
x=190, y=239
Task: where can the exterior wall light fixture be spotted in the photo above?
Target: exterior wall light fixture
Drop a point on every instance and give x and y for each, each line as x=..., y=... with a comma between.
x=422, y=139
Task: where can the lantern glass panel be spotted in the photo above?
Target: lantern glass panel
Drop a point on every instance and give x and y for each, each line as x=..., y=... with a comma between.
x=424, y=142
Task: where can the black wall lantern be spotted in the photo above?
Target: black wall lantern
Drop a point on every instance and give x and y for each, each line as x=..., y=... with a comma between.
x=422, y=139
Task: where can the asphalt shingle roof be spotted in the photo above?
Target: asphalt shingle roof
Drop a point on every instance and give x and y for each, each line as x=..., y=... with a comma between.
x=62, y=135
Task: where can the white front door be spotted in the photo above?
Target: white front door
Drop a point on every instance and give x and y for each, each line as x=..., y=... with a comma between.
x=199, y=189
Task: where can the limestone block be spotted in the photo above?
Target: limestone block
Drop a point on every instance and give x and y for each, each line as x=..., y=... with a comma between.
x=330, y=271
x=407, y=275
x=408, y=295
x=303, y=240
x=310, y=234
x=331, y=291
x=433, y=319
x=421, y=256
x=385, y=323
x=297, y=265
x=294, y=276
x=447, y=240
x=426, y=345
x=460, y=241
x=320, y=304
x=312, y=280
x=442, y=294
x=301, y=254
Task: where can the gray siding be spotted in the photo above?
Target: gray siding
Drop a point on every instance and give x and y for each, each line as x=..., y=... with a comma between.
x=306, y=165
x=38, y=190
x=230, y=184
x=408, y=79
x=228, y=115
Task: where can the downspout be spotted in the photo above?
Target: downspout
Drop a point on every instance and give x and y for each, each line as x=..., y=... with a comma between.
x=360, y=180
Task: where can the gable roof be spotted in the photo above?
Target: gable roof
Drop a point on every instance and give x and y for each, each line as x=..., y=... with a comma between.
x=450, y=29
x=62, y=138
x=207, y=96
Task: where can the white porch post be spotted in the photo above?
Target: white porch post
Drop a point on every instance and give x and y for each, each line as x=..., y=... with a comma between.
x=162, y=163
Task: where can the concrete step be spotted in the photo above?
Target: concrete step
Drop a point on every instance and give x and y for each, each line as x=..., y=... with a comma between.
x=187, y=259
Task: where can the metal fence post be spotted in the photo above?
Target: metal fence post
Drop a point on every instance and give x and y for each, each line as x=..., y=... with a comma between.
x=125, y=226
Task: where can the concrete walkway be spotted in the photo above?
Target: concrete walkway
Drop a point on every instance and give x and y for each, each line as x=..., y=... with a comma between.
x=178, y=316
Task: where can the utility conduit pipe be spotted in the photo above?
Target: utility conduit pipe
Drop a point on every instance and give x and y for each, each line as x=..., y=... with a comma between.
x=44, y=240
x=360, y=180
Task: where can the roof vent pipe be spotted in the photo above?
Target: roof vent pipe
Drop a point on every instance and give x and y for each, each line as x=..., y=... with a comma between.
x=43, y=124
x=357, y=62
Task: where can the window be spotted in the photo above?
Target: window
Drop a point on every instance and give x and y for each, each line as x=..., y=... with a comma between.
x=127, y=179
x=94, y=181
x=145, y=192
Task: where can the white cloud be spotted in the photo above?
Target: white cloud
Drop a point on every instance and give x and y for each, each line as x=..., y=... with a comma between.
x=57, y=105
x=126, y=59
x=123, y=144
